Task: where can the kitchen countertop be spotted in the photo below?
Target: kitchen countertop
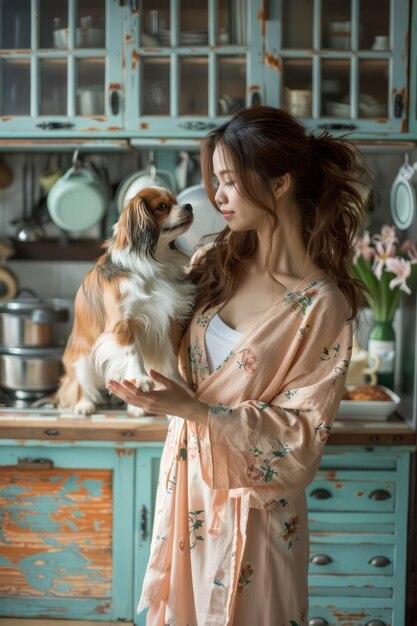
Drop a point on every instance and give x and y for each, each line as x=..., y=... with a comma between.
x=116, y=425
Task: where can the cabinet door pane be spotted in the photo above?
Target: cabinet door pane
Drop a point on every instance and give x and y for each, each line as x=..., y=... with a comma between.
x=335, y=88
x=193, y=86
x=156, y=23
x=297, y=86
x=374, y=19
x=225, y=22
x=297, y=24
x=15, y=99
x=373, y=88
x=15, y=24
x=91, y=23
x=90, y=86
x=336, y=24
x=231, y=74
x=156, y=86
x=53, y=86
x=53, y=24
x=193, y=23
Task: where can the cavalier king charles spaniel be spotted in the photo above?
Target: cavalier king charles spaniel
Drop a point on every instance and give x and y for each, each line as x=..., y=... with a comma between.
x=129, y=304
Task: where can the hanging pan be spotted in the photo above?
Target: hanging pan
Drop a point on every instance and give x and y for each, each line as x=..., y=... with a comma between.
x=403, y=197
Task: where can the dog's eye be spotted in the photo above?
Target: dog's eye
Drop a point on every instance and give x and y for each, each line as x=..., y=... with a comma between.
x=162, y=206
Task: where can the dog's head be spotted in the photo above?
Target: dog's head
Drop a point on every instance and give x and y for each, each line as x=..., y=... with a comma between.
x=150, y=221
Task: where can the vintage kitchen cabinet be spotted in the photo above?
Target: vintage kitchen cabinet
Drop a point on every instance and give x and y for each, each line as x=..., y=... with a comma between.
x=174, y=69
x=75, y=530
x=358, y=537
x=77, y=501
x=146, y=69
x=344, y=67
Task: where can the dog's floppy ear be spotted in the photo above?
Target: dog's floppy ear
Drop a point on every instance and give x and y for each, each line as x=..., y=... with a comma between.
x=137, y=229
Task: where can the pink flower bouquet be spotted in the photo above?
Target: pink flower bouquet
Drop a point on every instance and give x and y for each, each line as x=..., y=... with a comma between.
x=386, y=268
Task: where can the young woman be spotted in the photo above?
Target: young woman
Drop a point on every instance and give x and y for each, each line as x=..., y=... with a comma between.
x=265, y=355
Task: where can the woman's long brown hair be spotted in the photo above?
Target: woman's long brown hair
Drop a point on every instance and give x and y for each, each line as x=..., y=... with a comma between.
x=261, y=144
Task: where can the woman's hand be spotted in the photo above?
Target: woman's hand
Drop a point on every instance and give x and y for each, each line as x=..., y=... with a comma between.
x=174, y=399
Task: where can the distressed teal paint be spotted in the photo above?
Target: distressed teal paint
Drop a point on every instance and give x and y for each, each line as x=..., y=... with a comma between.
x=71, y=525
x=349, y=585
x=41, y=569
x=55, y=479
x=373, y=594
x=63, y=587
x=94, y=487
x=12, y=492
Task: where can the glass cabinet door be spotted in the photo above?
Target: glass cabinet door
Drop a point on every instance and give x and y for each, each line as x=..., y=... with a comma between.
x=340, y=64
x=190, y=64
x=59, y=67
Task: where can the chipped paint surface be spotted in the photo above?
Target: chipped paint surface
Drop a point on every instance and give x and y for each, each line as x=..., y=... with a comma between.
x=272, y=61
x=261, y=18
x=135, y=59
x=56, y=533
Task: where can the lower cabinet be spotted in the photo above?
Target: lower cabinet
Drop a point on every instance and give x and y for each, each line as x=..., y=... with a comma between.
x=75, y=526
x=358, y=538
x=76, y=522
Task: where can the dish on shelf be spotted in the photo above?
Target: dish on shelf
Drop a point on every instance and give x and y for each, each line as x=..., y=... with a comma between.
x=368, y=106
x=84, y=38
x=369, y=409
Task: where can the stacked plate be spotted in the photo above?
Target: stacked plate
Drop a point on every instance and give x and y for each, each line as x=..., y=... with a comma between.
x=186, y=38
x=368, y=107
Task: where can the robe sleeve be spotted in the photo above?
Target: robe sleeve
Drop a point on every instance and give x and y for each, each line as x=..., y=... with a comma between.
x=274, y=449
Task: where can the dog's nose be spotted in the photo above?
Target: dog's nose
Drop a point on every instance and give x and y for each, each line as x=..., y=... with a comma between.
x=187, y=207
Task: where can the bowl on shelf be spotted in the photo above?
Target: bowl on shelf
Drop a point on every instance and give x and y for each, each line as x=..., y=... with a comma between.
x=90, y=100
x=61, y=38
x=369, y=409
x=368, y=107
x=94, y=38
x=84, y=38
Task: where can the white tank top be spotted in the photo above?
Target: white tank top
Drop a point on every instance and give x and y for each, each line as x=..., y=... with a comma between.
x=220, y=341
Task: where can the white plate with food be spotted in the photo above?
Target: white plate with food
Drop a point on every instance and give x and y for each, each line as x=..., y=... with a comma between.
x=375, y=403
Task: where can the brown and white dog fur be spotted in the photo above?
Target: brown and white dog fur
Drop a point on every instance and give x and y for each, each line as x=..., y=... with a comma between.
x=128, y=303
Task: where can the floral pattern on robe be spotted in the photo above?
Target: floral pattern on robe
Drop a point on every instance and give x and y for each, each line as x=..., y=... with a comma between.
x=230, y=540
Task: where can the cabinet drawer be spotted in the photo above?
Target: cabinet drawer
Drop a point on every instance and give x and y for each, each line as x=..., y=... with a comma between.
x=361, y=558
x=335, y=616
x=352, y=491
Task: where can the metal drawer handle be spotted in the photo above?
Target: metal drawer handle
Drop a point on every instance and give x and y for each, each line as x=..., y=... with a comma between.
x=36, y=464
x=317, y=621
x=379, y=561
x=320, y=559
x=375, y=622
x=321, y=494
x=380, y=494
x=143, y=522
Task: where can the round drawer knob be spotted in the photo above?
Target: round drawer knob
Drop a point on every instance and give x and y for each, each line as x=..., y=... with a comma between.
x=320, y=559
x=375, y=622
x=317, y=621
x=380, y=494
x=379, y=561
x=52, y=432
x=321, y=494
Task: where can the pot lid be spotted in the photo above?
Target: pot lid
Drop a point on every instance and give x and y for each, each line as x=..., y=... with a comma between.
x=53, y=354
x=38, y=309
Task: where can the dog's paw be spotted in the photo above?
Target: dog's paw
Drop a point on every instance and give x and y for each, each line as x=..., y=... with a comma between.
x=84, y=407
x=135, y=411
x=144, y=383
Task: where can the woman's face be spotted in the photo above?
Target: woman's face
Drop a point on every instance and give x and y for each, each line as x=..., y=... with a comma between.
x=240, y=214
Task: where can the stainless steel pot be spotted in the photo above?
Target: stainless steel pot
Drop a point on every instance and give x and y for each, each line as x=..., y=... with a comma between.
x=31, y=322
x=30, y=370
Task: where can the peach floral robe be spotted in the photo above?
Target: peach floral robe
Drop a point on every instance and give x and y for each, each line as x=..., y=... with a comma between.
x=230, y=539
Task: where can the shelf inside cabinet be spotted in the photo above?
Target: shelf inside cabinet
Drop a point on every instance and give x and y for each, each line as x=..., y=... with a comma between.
x=56, y=250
